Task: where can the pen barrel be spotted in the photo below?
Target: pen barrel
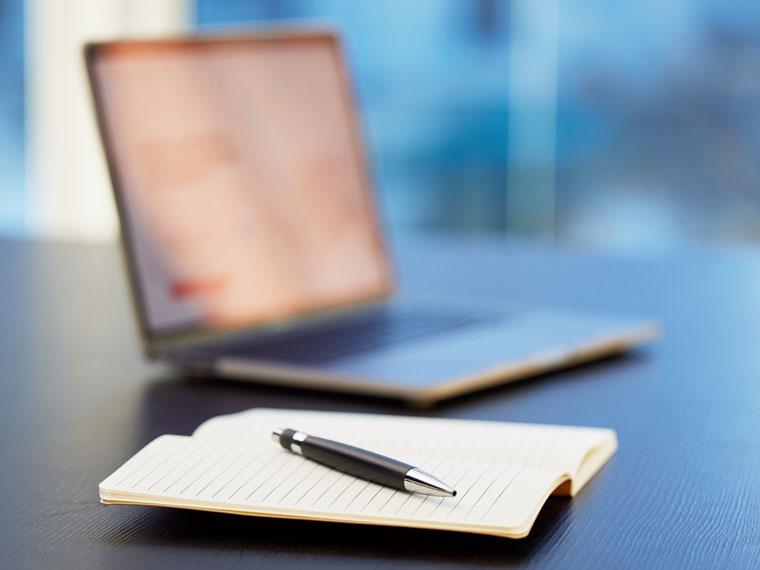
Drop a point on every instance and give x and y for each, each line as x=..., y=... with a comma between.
x=355, y=461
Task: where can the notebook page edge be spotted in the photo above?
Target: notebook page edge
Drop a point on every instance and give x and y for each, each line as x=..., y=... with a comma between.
x=492, y=531
x=593, y=462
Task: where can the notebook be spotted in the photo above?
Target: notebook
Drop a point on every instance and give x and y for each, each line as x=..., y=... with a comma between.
x=503, y=472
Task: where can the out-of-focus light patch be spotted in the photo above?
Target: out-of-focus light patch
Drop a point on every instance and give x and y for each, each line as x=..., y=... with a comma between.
x=624, y=220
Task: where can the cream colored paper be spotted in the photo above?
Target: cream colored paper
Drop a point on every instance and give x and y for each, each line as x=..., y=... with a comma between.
x=503, y=472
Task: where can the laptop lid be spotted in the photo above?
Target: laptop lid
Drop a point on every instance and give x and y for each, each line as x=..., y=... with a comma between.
x=240, y=180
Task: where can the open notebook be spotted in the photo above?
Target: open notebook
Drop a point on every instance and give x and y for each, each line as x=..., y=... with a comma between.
x=503, y=472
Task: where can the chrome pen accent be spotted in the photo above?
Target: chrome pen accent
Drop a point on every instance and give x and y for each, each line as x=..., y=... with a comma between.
x=419, y=481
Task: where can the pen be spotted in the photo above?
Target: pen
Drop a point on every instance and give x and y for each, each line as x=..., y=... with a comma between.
x=362, y=463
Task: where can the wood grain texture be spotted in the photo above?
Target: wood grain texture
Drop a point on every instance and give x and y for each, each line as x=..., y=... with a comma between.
x=683, y=490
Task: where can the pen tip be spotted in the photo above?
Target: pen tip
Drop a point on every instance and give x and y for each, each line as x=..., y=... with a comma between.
x=419, y=481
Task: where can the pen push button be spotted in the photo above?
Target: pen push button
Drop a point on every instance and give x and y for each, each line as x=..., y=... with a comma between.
x=290, y=439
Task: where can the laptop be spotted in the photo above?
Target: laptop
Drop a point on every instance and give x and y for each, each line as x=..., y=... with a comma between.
x=252, y=239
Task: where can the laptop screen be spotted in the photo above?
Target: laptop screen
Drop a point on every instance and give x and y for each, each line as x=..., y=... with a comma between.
x=240, y=179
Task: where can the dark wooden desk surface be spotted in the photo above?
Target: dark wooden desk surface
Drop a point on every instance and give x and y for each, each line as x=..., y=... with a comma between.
x=682, y=491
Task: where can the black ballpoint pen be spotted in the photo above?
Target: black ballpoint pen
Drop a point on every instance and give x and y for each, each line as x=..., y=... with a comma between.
x=362, y=463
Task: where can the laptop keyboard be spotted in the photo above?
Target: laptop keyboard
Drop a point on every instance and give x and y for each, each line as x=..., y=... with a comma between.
x=368, y=330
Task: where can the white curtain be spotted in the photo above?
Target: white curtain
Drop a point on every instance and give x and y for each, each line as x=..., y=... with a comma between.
x=68, y=189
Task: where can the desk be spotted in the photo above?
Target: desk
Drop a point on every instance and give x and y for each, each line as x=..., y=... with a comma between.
x=683, y=490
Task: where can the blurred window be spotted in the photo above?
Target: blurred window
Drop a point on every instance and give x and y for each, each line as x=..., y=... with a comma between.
x=12, y=196
x=634, y=124
x=631, y=124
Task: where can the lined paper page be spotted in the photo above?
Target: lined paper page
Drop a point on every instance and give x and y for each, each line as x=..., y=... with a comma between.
x=528, y=445
x=265, y=479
